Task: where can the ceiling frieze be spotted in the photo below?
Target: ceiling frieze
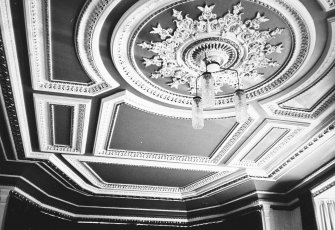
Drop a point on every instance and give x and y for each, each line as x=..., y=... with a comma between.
x=113, y=218
x=319, y=190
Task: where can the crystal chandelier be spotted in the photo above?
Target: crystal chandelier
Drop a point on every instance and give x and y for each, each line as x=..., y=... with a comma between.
x=207, y=98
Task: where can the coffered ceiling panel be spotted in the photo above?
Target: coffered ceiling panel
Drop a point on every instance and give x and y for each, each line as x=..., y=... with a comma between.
x=127, y=133
x=62, y=123
x=124, y=174
x=267, y=141
x=317, y=93
x=53, y=48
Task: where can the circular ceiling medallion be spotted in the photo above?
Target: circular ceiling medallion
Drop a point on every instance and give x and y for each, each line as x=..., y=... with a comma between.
x=167, y=47
x=159, y=47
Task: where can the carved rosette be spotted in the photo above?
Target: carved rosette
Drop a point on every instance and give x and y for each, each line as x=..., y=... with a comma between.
x=229, y=41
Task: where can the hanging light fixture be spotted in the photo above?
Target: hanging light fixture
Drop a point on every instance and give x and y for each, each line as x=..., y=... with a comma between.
x=208, y=96
x=208, y=83
x=240, y=102
x=197, y=113
x=197, y=109
x=207, y=90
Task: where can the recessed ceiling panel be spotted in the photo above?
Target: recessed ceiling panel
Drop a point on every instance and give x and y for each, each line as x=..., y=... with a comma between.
x=62, y=124
x=125, y=174
x=265, y=144
x=314, y=94
x=65, y=64
x=140, y=131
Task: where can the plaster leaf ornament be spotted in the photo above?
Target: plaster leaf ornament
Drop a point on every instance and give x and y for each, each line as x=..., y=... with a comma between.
x=228, y=41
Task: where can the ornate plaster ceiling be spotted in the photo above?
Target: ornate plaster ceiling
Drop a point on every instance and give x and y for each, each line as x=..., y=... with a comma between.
x=88, y=102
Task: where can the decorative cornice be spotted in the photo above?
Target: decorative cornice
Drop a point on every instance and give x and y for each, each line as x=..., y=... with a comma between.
x=327, y=5
x=45, y=123
x=6, y=91
x=37, y=17
x=112, y=218
x=324, y=186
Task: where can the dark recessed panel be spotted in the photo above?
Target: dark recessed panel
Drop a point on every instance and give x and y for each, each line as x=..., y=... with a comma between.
x=125, y=174
x=62, y=124
x=66, y=66
x=265, y=144
x=140, y=131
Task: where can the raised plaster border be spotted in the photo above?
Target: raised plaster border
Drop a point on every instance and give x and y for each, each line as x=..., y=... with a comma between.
x=293, y=128
x=108, y=115
x=80, y=119
x=38, y=24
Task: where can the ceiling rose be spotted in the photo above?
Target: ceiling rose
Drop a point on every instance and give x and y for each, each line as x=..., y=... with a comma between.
x=161, y=57
x=232, y=43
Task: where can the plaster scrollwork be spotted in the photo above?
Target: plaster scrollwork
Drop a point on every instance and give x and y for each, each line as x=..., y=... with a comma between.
x=228, y=41
x=294, y=14
x=46, y=126
x=38, y=24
